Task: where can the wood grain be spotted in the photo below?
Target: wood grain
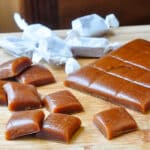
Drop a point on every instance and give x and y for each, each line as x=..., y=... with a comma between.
x=88, y=137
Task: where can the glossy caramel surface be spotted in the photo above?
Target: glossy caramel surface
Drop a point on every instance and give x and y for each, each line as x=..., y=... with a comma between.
x=114, y=122
x=59, y=127
x=24, y=123
x=13, y=67
x=88, y=137
x=37, y=75
x=21, y=96
x=121, y=77
x=3, y=96
x=62, y=102
x=136, y=53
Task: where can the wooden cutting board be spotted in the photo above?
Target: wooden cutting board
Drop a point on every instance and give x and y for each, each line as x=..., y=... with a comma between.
x=88, y=137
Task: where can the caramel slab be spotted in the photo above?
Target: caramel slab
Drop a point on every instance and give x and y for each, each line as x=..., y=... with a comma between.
x=21, y=96
x=62, y=102
x=37, y=75
x=123, y=70
x=114, y=122
x=117, y=77
x=136, y=53
x=24, y=123
x=59, y=127
x=13, y=67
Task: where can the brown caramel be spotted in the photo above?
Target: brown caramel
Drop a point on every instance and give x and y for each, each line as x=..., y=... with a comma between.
x=121, y=77
x=62, y=102
x=21, y=96
x=59, y=127
x=37, y=75
x=114, y=122
x=24, y=123
x=13, y=67
x=3, y=96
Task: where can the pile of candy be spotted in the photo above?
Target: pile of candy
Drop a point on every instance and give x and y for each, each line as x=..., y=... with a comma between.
x=41, y=43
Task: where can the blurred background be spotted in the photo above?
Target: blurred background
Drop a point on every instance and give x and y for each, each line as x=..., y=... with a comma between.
x=57, y=14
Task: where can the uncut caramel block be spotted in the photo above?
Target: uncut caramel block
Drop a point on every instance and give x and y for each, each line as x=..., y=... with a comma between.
x=121, y=77
x=3, y=96
x=37, y=75
x=114, y=122
x=62, y=102
x=13, y=67
x=24, y=123
x=59, y=127
x=21, y=96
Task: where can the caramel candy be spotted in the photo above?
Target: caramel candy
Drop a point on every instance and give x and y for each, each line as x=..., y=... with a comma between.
x=14, y=67
x=37, y=75
x=3, y=96
x=62, y=102
x=59, y=127
x=121, y=77
x=24, y=123
x=21, y=96
x=124, y=70
x=114, y=122
x=136, y=53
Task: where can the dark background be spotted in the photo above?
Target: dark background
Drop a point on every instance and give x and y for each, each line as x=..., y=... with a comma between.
x=58, y=14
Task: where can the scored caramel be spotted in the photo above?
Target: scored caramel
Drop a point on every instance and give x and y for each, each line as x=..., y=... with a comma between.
x=37, y=75
x=114, y=122
x=121, y=77
x=13, y=67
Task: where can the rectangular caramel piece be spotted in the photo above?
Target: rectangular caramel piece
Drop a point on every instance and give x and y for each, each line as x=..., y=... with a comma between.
x=13, y=67
x=22, y=96
x=114, y=122
x=24, y=123
x=62, y=102
x=121, y=77
x=59, y=127
x=36, y=75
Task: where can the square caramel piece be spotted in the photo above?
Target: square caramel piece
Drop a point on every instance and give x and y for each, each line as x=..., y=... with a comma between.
x=114, y=122
x=37, y=75
x=21, y=96
x=24, y=123
x=62, y=102
x=3, y=96
x=59, y=127
x=13, y=67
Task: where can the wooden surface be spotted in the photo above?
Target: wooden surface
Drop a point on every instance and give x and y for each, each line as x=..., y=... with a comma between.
x=88, y=137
